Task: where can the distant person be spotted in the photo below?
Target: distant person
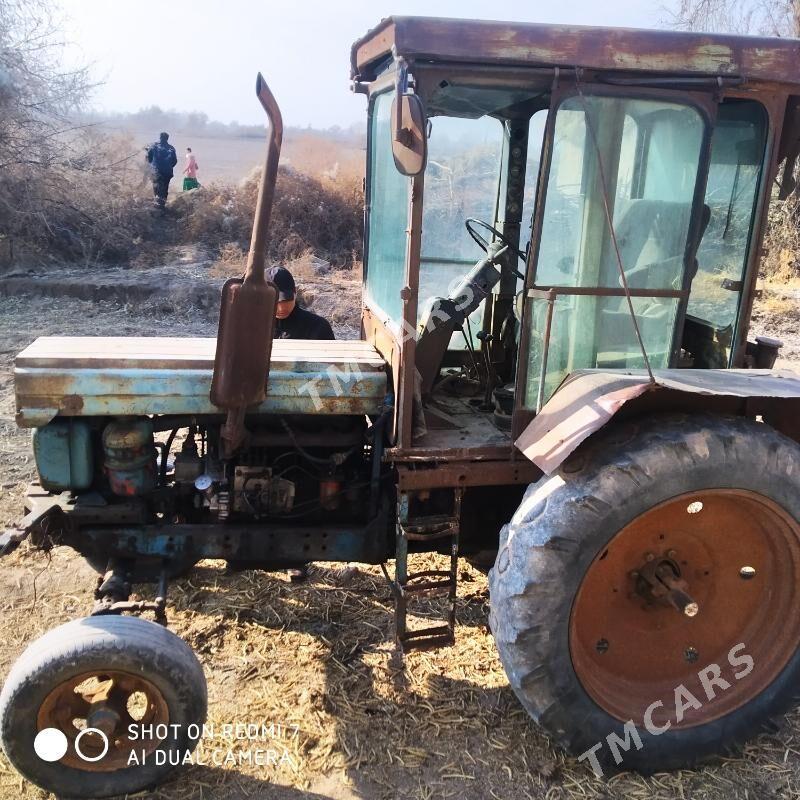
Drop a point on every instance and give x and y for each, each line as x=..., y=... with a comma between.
x=291, y=321
x=190, y=181
x=162, y=159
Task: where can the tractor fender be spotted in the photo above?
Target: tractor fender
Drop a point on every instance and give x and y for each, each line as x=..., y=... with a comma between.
x=588, y=399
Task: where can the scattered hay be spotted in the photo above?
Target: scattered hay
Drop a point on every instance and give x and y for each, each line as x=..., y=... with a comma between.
x=320, y=655
x=318, y=658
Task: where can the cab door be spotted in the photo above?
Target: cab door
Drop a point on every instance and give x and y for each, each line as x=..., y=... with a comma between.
x=638, y=162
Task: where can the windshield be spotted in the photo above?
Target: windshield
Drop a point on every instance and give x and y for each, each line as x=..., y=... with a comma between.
x=464, y=157
x=462, y=179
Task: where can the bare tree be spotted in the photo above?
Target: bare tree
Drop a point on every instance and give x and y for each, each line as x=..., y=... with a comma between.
x=770, y=18
x=765, y=17
x=49, y=165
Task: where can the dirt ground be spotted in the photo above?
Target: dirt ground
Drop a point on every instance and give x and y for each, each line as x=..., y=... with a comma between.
x=320, y=656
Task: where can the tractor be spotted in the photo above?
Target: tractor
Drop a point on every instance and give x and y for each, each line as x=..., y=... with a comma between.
x=563, y=229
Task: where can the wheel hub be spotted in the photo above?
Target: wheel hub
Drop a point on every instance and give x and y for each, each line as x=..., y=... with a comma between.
x=106, y=702
x=674, y=592
x=659, y=580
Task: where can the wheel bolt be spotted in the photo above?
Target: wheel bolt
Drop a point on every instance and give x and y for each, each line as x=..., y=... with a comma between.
x=691, y=655
x=601, y=646
x=747, y=573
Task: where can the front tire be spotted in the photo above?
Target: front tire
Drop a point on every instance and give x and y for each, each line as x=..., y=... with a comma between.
x=106, y=674
x=663, y=548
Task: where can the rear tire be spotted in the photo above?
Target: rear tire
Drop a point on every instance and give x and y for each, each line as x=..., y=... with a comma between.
x=561, y=579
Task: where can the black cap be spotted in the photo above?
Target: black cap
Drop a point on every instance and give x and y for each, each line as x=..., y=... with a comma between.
x=164, y=136
x=283, y=279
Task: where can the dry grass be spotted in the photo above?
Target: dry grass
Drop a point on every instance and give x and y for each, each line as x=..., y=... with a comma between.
x=106, y=216
x=310, y=215
x=781, y=261
x=775, y=303
x=371, y=725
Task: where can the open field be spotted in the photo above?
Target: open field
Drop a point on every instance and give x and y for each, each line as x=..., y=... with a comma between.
x=320, y=656
x=228, y=159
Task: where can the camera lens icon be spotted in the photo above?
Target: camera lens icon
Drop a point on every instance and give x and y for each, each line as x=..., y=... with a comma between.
x=51, y=744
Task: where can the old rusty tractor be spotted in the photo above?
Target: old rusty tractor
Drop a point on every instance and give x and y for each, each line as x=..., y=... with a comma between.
x=565, y=385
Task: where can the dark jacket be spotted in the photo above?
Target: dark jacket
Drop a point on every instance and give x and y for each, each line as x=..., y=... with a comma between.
x=162, y=158
x=303, y=324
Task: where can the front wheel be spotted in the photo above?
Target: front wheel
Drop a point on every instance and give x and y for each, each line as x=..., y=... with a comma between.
x=102, y=706
x=645, y=600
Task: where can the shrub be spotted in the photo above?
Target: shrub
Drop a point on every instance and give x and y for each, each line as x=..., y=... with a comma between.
x=781, y=261
x=310, y=215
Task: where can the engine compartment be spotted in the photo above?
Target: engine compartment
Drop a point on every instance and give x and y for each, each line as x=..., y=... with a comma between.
x=302, y=488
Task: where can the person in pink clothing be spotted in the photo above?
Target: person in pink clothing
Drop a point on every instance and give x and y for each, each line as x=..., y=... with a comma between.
x=190, y=181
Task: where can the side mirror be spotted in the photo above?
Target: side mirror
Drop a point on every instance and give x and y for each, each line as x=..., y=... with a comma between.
x=409, y=139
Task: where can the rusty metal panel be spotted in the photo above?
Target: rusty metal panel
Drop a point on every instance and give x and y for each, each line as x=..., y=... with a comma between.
x=86, y=376
x=467, y=473
x=45, y=393
x=166, y=352
x=567, y=46
x=588, y=399
x=387, y=345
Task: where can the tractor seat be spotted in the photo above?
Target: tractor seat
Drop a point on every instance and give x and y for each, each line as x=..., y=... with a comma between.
x=652, y=240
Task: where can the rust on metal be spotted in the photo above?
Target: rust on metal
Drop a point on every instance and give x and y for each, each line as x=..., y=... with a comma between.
x=72, y=403
x=442, y=475
x=738, y=555
x=588, y=399
x=247, y=310
x=623, y=50
x=443, y=529
x=109, y=701
x=380, y=336
x=660, y=579
x=117, y=376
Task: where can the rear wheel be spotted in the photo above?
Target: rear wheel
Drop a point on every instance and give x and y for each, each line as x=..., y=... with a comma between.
x=645, y=598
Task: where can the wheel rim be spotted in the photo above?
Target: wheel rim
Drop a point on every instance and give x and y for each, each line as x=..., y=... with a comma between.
x=107, y=701
x=639, y=633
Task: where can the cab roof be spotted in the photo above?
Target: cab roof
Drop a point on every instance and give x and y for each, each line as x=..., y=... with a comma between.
x=748, y=58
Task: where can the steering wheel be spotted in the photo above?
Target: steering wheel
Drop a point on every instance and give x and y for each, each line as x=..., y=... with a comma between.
x=471, y=223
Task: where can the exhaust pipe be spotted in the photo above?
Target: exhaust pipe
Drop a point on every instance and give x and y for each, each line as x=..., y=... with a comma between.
x=266, y=190
x=247, y=309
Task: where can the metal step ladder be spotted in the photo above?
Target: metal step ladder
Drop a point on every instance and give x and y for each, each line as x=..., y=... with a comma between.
x=438, y=583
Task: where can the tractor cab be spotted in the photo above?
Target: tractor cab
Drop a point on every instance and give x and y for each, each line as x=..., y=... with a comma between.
x=542, y=201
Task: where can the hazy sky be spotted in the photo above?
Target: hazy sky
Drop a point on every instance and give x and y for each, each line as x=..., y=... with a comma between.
x=204, y=54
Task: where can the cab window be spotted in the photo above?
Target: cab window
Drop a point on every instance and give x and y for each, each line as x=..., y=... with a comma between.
x=387, y=216
x=737, y=154
x=650, y=152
